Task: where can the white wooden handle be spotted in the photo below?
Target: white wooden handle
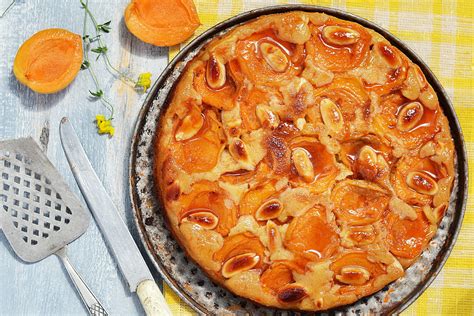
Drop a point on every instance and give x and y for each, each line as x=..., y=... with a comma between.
x=152, y=299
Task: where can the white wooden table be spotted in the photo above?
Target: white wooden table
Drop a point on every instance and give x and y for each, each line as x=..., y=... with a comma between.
x=43, y=288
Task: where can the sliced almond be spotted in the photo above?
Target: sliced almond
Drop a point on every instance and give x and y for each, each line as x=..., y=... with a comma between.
x=274, y=56
x=304, y=166
x=353, y=275
x=331, y=115
x=340, y=36
x=429, y=214
x=215, y=73
x=269, y=210
x=366, y=164
x=429, y=98
x=422, y=183
x=439, y=212
x=239, y=264
x=428, y=149
x=274, y=236
x=238, y=150
x=402, y=209
x=267, y=118
x=204, y=219
x=291, y=293
x=190, y=125
x=409, y=116
x=411, y=86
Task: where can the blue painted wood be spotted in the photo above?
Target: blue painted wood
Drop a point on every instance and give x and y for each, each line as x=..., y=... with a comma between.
x=43, y=288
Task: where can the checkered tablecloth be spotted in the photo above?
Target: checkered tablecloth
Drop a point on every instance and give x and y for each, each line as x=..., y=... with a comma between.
x=442, y=33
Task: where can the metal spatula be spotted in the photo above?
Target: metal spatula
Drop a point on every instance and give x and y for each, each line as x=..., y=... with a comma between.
x=39, y=215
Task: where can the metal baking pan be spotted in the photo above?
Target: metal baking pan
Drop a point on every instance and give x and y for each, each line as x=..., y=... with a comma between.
x=186, y=278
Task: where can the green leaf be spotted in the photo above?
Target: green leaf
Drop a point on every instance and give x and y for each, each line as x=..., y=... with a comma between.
x=97, y=94
x=104, y=27
x=85, y=64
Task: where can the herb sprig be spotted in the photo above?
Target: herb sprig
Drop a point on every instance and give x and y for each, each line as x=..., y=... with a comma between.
x=104, y=125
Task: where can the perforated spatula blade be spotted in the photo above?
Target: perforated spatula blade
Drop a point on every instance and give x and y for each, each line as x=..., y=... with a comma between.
x=39, y=215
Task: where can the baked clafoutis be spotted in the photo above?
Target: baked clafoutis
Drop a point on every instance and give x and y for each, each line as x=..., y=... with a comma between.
x=302, y=161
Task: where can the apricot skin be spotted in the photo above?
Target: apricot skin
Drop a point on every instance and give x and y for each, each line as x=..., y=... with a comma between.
x=176, y=21
x=49, y=60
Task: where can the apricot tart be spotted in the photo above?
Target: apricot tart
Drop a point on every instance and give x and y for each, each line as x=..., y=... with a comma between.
x=303, y=161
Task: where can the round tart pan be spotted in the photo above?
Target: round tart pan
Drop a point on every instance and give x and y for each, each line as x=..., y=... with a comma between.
x=186, y=278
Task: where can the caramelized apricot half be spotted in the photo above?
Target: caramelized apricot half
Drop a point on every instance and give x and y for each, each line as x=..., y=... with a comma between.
x=200, y=152
x=207, y=206
x=349, y=98
x=415, y=179
x=339, y=45
x=311, y=235
x=276, y=277
x=405, y=122
x=407, y=238
x=162, y=23
x=49, y=60
x=311, y=164
x=359, y=202
x=354, y=268
x=265, y=59
x=241, y=244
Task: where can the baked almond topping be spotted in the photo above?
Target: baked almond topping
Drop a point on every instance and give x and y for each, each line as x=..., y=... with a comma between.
x=302, y=162
x=353, y=275
x=190, y=126
x=266, y=117
x=439, y=211
x=215, y=73
x=204, y=219
x=238, y=151
x=422, y=183
x=411, y=86
x=291, y=293
x=429, y=99
x=239, y=263
x=409, y=116
x=331, y=115
x=274, y=56
x=268, y=210
x=339, y=35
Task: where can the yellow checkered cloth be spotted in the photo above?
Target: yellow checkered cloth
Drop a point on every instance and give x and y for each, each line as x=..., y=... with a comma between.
x=442, y=33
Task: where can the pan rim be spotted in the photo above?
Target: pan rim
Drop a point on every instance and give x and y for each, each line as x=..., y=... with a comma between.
x=446, y=104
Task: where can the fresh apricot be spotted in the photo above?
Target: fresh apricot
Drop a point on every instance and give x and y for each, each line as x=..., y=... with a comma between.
x=162, y=23
x=49, y=60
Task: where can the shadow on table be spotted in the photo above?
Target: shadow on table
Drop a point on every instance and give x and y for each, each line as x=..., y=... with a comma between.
x=31, y=100
x=6, y=245
x=132, y=44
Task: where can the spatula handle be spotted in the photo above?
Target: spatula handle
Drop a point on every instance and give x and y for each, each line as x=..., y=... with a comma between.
x=93, y=305
x=152, y=299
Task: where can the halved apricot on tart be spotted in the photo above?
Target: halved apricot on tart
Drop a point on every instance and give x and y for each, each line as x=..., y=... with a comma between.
x=359, y=202
x=49, y=60
x=162, y=23
x=311, y=236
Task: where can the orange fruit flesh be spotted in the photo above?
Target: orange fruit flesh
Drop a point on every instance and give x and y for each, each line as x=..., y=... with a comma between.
x=357, y=205
x=311, y=235
x=49, y=60
x=407, y=238
x=339, y=58
x=253, y=65
x=240, y=244
x=201, y=152
x=276, y=277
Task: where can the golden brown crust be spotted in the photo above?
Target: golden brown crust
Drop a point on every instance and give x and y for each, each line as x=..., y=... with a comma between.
x=303, y=161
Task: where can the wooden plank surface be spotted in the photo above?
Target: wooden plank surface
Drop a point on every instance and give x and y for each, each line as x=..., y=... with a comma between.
x=43, y=288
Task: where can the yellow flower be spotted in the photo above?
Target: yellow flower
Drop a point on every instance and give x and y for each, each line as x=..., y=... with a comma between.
x=104, y=126
x=144, y=81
